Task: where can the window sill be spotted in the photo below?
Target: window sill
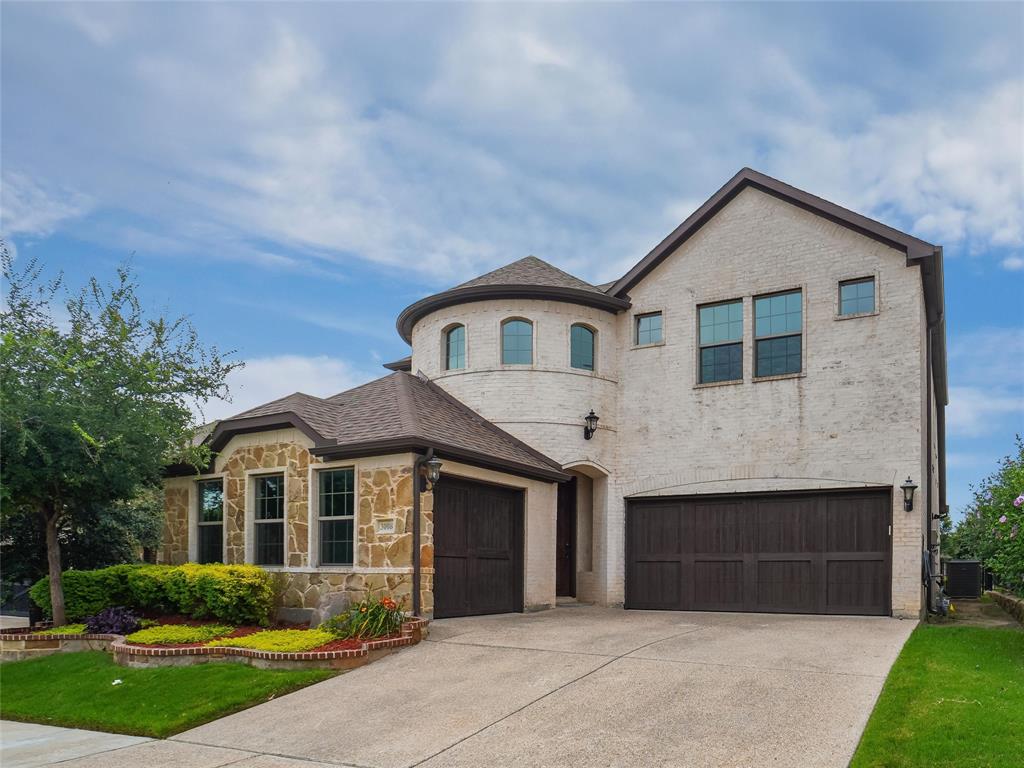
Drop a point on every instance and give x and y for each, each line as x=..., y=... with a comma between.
x=648, y=346
x=712, y=384
x=855, y=316
x=780, y=377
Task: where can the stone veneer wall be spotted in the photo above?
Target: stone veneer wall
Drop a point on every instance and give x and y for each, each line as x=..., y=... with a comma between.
x=294, y=459
x=383, y=561
x=174, y=547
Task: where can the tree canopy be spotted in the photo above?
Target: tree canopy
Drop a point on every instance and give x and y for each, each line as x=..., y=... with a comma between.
x=96, y=405
x=992, y=529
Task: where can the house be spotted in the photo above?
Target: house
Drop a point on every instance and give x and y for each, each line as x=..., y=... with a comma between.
x=766, y=388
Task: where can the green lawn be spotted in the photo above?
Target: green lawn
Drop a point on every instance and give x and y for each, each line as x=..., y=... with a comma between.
x=955, y=697
x=76, y=690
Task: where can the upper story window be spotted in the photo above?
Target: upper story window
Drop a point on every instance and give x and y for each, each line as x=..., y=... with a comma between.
x=517, y=342
x=648, y=329
x=778, y=334
x=455, y=348
x=336, y=516
x=721, y=341
x=581, y=347
x=210, y=521
x=268, y=520
x=857, y=297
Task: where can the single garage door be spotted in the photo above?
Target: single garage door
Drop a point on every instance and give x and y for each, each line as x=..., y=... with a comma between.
x=794, y=553
x=478, y=548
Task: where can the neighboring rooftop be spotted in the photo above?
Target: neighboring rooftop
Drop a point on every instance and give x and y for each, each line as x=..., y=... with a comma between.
x=396, y=413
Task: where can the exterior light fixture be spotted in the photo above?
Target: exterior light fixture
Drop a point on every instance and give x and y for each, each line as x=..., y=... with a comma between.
x=908, y=495
x=591, y=427
x=433, y=465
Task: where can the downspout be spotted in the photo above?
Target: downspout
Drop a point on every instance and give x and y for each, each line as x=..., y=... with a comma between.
x=929, y=575
x=416, y=527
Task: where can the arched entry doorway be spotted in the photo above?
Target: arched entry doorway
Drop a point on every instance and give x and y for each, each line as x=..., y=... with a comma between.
x=579, y=500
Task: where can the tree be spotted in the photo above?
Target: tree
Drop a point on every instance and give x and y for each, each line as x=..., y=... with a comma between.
x=119, y=533
x=992, y=529
x=93, y=408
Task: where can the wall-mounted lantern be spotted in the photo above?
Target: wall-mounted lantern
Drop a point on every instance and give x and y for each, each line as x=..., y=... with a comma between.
x=908, y=495
x=433, y=465
x=591, y=426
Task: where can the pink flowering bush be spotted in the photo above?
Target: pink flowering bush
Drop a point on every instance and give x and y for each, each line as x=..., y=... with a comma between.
x=992, y=529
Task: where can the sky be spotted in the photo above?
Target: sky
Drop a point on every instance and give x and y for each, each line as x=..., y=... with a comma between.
x=290, y=176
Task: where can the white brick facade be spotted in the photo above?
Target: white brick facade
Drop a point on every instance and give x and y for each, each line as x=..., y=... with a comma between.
x=854, y=417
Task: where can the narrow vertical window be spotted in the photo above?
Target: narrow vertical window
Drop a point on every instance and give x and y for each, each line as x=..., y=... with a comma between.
x=581, y=347
x=336, y=516
x=268, y=520
x=648, y=329
x=778, y=334
x=721, y=342
x=517, y=342
x=455, y=348
x=857, y=297
x=210, y=521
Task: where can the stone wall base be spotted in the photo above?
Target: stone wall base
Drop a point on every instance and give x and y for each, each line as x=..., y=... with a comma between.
x=25, y=645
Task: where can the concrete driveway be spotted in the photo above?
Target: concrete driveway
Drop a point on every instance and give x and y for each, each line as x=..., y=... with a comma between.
x=583, y=687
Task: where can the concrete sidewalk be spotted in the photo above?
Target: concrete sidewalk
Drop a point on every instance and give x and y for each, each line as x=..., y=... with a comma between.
x=26, y=745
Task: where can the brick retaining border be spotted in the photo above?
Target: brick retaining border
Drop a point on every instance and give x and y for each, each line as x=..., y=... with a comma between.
x=1012, y=604
x=128, y=655
x=16, y=645
x=19, y=644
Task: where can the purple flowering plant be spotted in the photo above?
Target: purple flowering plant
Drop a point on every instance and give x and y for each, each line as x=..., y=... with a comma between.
x=991, y=523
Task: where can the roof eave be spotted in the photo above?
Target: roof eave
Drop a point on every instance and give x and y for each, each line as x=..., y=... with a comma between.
x=420, y=309
x=443, y=450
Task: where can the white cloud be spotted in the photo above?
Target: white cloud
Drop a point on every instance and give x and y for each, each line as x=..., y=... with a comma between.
x=1013, y=263
x=30, y=208
x=975, y=411
x=953, y=175
x=268, y=378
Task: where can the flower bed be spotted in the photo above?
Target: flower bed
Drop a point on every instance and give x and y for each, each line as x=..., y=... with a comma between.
x=335, y=654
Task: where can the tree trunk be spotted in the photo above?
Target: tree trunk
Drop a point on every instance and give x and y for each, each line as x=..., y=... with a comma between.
x=53, y=561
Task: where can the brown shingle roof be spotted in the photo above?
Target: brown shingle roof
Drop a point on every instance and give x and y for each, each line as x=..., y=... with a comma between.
x=397, y=412
x=530, y=271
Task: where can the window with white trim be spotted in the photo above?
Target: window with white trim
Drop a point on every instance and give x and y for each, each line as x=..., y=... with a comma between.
x=210, y=521
x=336, y=516
x=268, y=520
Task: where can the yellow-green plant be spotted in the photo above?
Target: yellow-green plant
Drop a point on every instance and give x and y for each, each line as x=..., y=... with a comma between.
x=67, y=629
x=176, y=634
x=279, y=640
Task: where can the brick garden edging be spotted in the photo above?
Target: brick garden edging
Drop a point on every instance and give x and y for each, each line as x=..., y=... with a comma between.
x=18, y=644
x=1012, y=604
x=128, y=655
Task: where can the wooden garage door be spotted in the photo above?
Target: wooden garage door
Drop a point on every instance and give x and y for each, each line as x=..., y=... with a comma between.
x=478, y=548
x=798, y=553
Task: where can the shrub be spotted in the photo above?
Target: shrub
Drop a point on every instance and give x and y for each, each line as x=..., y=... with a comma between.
x=67, y=629
x=279, y=640
x=237, y=594
x=117, y=620
x=369, y=618
x=85, y=592
x=176, y=634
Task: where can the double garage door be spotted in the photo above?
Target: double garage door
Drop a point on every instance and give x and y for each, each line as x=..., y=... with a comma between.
x=799, y=553
x=478, y=548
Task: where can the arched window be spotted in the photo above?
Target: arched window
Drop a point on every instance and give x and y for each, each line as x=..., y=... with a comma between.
x=517, y=342
x=581, y=347
x=455, y=348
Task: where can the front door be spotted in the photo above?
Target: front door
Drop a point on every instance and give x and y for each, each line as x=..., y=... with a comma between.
x=565, y=556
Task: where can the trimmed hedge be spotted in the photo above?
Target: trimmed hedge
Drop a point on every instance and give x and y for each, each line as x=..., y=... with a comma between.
x=278, y=640
x=237, y=594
